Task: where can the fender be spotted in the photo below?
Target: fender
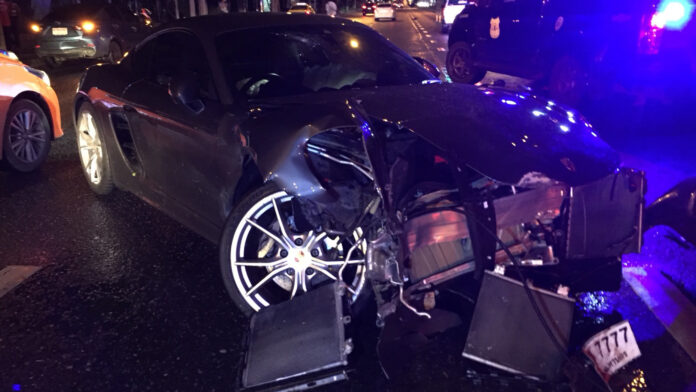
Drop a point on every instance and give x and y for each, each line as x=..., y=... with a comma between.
x=281, y=157
x=676, y=209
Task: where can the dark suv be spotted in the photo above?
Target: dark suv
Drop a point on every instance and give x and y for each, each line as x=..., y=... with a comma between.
x=576, y=47
x=368, y=7
x=98, y=31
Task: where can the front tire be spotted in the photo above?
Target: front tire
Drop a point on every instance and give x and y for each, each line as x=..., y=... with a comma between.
x=26, y=136
x=460, y=64
x=265, y=259
x=92, y=151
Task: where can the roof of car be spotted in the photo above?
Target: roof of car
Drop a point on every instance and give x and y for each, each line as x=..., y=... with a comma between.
x=216, y=24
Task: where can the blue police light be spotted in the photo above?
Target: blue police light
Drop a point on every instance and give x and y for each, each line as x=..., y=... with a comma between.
x=673, y=14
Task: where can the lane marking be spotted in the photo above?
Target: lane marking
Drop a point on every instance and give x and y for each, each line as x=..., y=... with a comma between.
x=667, y=303
x=13, y=275
x=441, y=49
x=432, y=51
x=432, y=41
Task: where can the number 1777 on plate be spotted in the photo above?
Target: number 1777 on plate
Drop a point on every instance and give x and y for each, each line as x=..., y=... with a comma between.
x=612, y=349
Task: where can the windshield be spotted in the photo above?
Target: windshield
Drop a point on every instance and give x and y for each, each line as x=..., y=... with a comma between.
x=272, y=62
x=299, y=7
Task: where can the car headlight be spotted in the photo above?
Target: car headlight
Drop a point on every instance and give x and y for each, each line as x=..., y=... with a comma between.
x=39, y=74
x=9, y=54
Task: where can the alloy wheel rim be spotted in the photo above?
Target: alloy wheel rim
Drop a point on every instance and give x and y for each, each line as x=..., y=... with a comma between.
x=290, y=263
x=90, y=148
x=27, y=136
x=459, y=63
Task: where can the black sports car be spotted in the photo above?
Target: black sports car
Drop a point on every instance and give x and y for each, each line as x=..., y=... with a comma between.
x=330, y=165
x=313, y=150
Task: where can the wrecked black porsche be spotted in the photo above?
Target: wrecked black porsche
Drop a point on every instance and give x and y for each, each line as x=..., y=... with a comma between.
x=334, y=170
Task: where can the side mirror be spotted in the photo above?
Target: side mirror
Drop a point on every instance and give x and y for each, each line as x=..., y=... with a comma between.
x=185, y=89
x=430, y=67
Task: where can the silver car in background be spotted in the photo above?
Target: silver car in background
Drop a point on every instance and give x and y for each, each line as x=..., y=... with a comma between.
x=385, y=11
x=96, y=31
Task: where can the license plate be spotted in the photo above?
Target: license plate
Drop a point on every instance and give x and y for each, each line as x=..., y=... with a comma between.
x=612, y=349
x=59, y=31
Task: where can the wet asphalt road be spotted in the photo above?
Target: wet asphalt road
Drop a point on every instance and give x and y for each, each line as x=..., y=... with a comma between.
x=129, y=300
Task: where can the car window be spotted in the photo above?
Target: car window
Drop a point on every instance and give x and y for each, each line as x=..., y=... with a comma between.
x=272, y=62
x=171, y=54
x=73, y=13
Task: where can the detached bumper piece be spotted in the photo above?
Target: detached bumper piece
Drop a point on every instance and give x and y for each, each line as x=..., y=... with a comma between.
x=299, y=344
x=506, y=332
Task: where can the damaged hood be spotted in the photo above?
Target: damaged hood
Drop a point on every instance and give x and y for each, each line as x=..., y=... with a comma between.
x=502, y=134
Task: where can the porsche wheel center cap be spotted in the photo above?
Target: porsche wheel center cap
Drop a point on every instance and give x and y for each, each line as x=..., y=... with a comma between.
x=300, y=258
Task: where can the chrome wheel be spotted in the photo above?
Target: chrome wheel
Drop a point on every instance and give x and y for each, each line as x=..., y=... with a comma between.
x=461, y=60
x=460, y=64
x=271, y=261
x=90, y=148
x=27, y=136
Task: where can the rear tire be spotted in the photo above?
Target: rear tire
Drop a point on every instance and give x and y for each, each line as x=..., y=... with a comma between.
x=92, y=151
x=460, y=64
x=52, y=62
x=26, y=136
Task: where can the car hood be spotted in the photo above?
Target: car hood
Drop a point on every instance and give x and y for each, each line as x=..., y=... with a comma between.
x=504, y=135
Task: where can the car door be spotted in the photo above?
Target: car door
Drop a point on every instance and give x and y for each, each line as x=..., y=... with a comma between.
x=177, y=142
x=491, y=19
x=523, y=38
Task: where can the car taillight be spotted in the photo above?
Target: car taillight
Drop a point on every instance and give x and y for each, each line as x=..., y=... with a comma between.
x=306, y=12
x=364, y=6
x=650, y=34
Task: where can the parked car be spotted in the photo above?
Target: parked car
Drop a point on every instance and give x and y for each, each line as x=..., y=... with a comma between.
x=385, y=11
x=29, y=114
x=301, y=8
x=95, y=31
x=576, y=47
x=368, y=7
x=450, y=10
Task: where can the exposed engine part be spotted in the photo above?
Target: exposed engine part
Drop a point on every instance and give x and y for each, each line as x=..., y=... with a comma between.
x=437, y=242
x=409, y=306
x=341, y=159
x=542, y=204
x=605, y=216
x=529, y=350
x=429, y=300
x=381, y=260
x=347, y=259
